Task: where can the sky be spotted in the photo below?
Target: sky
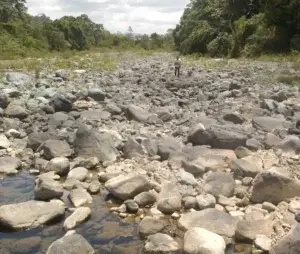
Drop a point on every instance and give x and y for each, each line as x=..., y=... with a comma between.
x=144, y=16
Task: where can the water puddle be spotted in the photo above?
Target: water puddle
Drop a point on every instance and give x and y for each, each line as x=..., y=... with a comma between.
x=104, y=231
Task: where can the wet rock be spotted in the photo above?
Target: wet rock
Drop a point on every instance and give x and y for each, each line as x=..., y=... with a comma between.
x=199, y=240
x=26, y=245
x=77, y=217
x=169, y=198
x=151, y=225
x=131, y=206
x=161, y=243
x=209, y=219
x=127, y=187
x=70, y=244
x=30, y=214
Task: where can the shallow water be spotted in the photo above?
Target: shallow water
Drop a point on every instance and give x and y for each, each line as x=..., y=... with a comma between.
x=104, y=231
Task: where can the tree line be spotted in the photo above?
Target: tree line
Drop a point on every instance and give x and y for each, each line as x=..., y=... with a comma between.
x=233, y=28
x=21, y=33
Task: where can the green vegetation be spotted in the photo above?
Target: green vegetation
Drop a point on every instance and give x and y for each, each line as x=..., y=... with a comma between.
x=221, y=28
x=23, y=35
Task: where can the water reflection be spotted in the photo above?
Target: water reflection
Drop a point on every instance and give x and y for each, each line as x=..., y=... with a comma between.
x=104, y=231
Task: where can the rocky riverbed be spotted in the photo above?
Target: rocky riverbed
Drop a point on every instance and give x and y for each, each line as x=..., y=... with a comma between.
x=139, y=161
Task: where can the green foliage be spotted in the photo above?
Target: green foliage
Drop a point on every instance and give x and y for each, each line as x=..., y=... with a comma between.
x=23, y=35
x=235, y=28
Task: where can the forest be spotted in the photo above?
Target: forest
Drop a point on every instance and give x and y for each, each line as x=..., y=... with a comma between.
x=22, y=34
x=233, y=28
x=215, y=28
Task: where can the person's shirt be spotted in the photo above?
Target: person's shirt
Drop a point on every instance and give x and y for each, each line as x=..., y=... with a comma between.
x=178, y=62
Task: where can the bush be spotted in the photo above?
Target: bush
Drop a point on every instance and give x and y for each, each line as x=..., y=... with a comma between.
x=220, y=46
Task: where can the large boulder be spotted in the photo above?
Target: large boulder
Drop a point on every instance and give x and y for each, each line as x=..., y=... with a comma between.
x=290, y=243
x=247, y=230
x=30, y=214
x=201, y=241
x=274, y=187
x=161, y=243
x=88, y=143
x=56, y=148
x=169, y=198
x=47, y=188
x=219, y=136
x=70, y=244
x=127, y=187
x=220, y=183
x=269, y=124
x=10, y=165
x=210, y=219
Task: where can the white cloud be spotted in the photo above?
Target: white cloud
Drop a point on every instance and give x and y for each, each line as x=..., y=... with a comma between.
x=144, y=16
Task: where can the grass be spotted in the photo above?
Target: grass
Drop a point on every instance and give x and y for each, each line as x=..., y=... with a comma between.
x=96, y=59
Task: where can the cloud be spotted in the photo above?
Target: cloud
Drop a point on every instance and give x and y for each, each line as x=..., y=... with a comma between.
x=144, y=16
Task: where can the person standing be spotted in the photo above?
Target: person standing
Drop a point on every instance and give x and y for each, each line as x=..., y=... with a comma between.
x=177, y=66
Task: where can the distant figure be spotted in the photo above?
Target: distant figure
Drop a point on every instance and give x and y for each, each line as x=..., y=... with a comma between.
x=177, y=66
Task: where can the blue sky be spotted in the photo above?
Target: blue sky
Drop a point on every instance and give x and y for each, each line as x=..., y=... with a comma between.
x=144, y=16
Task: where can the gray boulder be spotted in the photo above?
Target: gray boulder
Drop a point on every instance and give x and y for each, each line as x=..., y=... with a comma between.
x=127, y=187
x=30, y=214
x=70, y=244
x=169, y=198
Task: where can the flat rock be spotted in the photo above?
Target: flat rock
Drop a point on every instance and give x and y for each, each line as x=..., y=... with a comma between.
x=4, y=142
x=30, y=214
x=56, y=148
x=79, y=173
x=209, y=219
x=169, y=198
x=220, y=183
x=151, y=225
x=77, y=217
x=199, y=240
x=88, y=143
x=161, y=243
x=269, y=124
x=71, y=244
x=220, y=136
x=127, y=187
x=274, y=187
x=10, y=165
x=247, y=230
x=80, y=197
x=289, y=243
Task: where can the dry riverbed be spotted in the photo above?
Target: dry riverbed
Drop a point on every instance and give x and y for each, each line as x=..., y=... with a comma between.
x=110, y=153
